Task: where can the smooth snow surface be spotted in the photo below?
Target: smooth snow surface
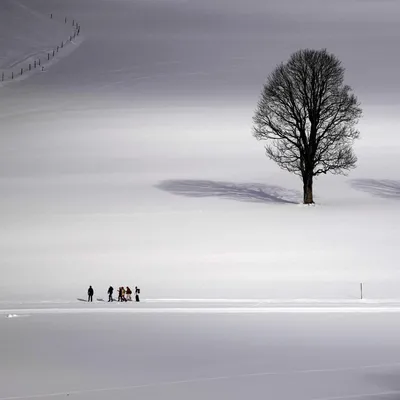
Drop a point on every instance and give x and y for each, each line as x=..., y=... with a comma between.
x=131, y=160
x=174, y=356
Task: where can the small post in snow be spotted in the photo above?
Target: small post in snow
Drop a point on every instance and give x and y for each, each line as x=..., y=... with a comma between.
x=39, y=62
x=65, y=19
x=51, y=15
x=73, y=22
x=34, y=64
x=22, y=71
x=2, y=76
x=53, y=53
x=62, y=44
x=30, y=67
x=48, y=56
x=12, y=75
x=361, y=291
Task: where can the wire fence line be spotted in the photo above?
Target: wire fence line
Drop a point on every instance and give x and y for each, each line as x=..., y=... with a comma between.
x=39, y=62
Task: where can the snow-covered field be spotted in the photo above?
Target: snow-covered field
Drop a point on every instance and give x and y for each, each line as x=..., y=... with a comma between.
x=130, y=161
x=197, y=356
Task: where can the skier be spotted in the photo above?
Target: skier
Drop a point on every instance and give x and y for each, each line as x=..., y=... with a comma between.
x=110, y=293
x=137, y=292
x=128, y=294
x=90, y=293
x=120, y=293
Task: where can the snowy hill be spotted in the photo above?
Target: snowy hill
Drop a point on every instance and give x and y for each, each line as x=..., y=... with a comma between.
x=27, y=35
x=132, y=161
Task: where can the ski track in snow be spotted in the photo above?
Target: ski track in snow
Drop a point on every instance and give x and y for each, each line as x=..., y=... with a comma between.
x=202, y=306
x=70, y=46
x=207, y=310
x=226, y=377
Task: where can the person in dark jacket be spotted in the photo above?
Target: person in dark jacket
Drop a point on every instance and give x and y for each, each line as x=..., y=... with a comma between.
x=128, y=294
x=110, y=293
x=123, y=298
x=137, y=293
x=90, y=293
x=120, y=293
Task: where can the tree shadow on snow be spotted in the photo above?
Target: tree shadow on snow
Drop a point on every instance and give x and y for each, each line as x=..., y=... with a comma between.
x=248, y=192
x=385, y=188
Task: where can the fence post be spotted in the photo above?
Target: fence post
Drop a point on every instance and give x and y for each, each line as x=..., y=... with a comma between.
x=65, y=19
x=48, y=56
x=62, y=44
x=12, y=75
x=30, y=67
x=361, y=290
x=54, y=53
x=34, y=64
x=39, y=62
x=2, y=76
x=22, y=71
x=51, y=15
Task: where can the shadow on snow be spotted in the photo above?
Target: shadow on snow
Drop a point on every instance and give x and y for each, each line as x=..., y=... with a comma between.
x=249, y=192
x=384, y=188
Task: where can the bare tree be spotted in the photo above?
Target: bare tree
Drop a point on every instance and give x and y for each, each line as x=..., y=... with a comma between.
x=308, y=117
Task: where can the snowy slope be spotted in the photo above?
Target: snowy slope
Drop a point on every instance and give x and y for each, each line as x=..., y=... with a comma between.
x=27, y=35
x=132, y=162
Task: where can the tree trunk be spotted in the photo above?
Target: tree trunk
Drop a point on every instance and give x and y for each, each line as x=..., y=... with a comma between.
x=308, y=189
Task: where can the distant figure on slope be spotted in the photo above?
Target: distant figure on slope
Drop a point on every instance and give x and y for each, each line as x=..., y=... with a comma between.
x=123, y=294
x=128, y=294
x=110, y=293
x=137, y=293
x=90, y=293
x=120, y=293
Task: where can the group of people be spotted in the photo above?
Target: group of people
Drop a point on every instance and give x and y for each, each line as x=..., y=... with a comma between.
x=123, y=294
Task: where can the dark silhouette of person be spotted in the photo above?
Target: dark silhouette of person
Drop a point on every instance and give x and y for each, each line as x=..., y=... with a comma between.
x=90, y=293
x=123, y=298
x=120, y=293
x=110, y=293
x=128, y=294
x=137, y=293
